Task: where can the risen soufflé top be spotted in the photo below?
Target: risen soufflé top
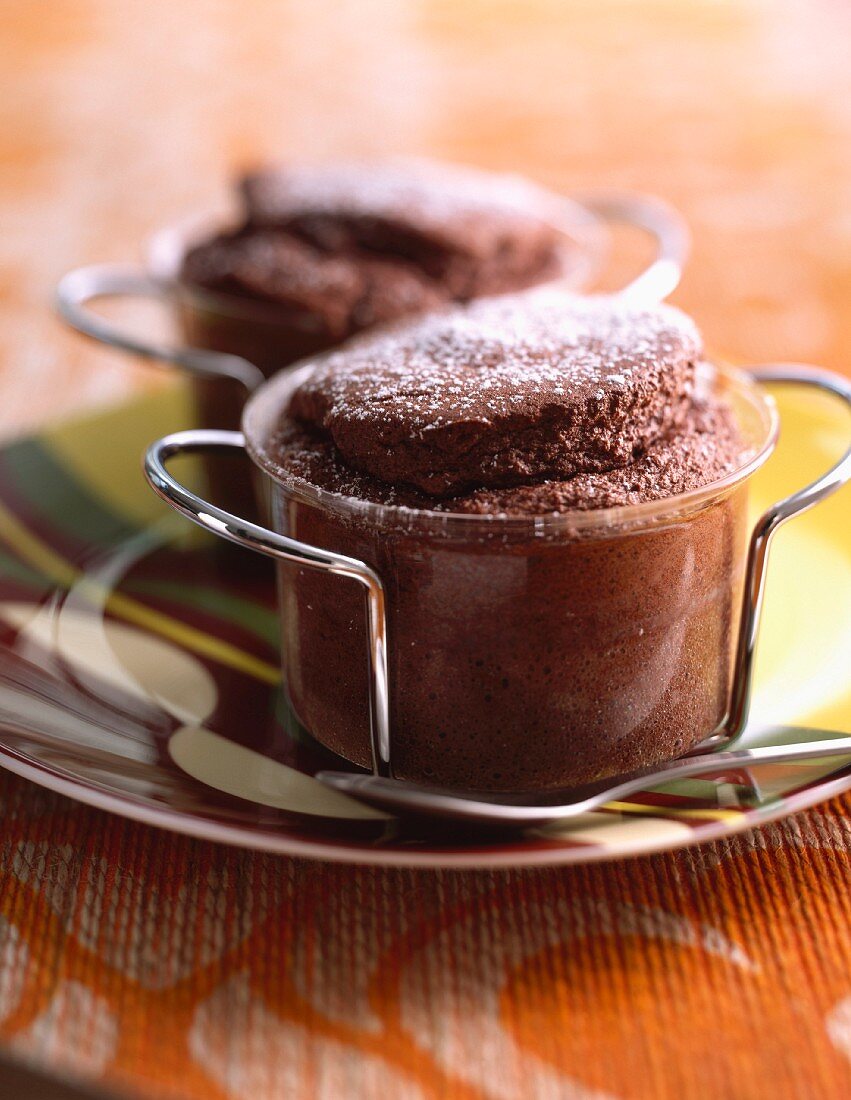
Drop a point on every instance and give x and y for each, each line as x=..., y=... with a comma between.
x=354, y=244
x=527, y=404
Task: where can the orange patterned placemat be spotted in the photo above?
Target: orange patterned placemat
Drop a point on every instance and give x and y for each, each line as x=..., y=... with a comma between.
x=182, y=969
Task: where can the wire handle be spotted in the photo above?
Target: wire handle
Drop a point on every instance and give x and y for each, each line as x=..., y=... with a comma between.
x=85, y=284
x=663, y=222
x=255, y=537
x=767, y=525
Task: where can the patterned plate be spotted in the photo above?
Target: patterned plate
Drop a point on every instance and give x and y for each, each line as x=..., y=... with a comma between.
x=138, y=666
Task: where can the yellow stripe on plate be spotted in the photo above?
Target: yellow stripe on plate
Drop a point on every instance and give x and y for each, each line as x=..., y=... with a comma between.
x=37, y=553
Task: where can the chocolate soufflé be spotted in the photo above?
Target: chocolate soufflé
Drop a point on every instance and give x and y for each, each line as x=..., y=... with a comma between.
x=334, y=249
x=325, y=251
x=487, y=462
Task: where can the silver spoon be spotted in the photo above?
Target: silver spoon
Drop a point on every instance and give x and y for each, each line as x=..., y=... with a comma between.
x=543, y=807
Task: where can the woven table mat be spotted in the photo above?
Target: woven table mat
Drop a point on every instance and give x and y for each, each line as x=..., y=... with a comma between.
x=177, y=968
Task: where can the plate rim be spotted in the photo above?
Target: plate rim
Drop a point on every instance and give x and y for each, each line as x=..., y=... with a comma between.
x=275, y=842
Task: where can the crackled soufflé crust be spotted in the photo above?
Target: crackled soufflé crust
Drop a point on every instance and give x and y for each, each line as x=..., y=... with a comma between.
x=521, y=655
x=526, y=404
x=350, y=245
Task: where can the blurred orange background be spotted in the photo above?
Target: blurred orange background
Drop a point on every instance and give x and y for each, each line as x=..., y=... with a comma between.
x=121, y=116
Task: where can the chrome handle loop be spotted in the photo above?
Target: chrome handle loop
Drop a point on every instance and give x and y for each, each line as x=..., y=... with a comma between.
x=81, y=286
x=274, y=545
x=665, y=224
x=755, y=570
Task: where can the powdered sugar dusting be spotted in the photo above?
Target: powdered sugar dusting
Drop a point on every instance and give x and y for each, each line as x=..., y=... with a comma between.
x=505, y=390
x=433, y=194
x=347, y=246
x=491, y=358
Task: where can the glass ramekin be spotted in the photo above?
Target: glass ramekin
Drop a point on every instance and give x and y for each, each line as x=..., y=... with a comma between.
x=505, y=653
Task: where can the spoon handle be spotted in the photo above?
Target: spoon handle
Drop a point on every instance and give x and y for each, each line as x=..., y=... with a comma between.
x=402, y=797
x=718, y=762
